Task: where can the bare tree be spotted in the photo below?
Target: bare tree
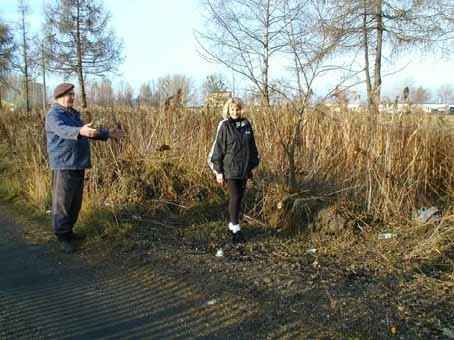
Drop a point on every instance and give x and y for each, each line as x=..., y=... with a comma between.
x=395, y=26
x=307, y=48
x=145, y=93
x=445, y=93
x=106, y=93
x=125, y=94
x=7, y=48
x=24, y=62
x=420, y=95
x=79, y=40
x=214, y=83
x=244, y=35
x=101, y=93
x=175, y=88
x=92, y=90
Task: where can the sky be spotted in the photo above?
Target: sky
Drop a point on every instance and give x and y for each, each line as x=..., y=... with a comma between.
x=157, y=35
x=158, y=39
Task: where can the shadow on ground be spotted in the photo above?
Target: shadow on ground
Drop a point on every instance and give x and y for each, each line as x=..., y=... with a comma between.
x=47, y=296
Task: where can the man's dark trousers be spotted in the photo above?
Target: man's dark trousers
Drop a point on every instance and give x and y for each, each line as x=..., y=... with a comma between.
x=67, y=191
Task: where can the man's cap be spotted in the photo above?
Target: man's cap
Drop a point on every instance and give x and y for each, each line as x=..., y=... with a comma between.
x=62, y=89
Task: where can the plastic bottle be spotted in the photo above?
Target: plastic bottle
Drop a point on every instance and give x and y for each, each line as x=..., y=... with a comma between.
x=384, y=236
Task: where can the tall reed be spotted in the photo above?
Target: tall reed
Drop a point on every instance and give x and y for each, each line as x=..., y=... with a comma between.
x=384, y=166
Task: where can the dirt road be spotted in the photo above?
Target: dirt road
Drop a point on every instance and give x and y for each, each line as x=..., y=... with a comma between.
x=170, y=285
x=45, y=295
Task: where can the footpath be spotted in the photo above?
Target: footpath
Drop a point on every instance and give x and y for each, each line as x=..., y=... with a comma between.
x=46, y=295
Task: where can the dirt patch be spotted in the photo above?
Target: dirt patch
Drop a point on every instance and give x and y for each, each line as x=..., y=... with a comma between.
x=315, y=285
x=345, y=284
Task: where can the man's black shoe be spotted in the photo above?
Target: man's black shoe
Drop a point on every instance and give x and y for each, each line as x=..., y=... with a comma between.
x=238, y=237
x=76, y=236
x=67, y=246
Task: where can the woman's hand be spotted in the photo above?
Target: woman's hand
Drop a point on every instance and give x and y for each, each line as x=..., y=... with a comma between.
x=220, y=179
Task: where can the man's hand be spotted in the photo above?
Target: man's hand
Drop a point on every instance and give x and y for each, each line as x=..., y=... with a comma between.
x=117, y=133
x=220, y=179
x=88, y=131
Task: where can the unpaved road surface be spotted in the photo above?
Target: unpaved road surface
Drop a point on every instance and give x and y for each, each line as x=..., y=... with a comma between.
x=45, y=295
x=168, y=284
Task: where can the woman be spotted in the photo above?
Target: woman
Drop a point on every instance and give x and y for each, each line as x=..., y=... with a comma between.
x=232, y=158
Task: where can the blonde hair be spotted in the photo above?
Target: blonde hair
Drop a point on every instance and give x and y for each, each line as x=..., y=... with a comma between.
x=226, y=108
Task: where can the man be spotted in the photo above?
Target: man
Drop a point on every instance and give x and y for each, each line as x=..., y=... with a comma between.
x=69, y=156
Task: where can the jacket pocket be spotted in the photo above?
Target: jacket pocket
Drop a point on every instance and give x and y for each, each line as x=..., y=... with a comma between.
x=66, y=153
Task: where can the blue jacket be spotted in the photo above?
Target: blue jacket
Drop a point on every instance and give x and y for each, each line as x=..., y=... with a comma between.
x=68, y=150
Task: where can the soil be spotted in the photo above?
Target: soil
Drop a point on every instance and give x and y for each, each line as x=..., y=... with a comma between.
x=165, y=281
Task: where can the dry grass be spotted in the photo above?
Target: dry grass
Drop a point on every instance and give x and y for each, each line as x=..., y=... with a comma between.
x=381, y=166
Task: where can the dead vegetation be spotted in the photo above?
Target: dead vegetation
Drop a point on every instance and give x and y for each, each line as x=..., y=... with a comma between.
x=360, y=176
x=368, y=170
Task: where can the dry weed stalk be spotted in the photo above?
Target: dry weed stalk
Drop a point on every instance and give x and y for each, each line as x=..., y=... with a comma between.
x=387, y=167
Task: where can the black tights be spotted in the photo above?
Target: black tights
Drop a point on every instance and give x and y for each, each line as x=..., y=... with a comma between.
x=235, y=187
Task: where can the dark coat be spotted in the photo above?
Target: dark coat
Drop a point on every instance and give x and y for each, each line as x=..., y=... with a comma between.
x=234, y=152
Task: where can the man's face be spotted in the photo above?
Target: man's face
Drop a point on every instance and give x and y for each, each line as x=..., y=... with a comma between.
x=67, y=100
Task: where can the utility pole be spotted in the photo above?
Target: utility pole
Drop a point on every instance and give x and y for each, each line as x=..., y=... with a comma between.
x=23, y=11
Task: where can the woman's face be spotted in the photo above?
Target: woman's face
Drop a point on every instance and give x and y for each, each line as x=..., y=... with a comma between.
x=235, y=111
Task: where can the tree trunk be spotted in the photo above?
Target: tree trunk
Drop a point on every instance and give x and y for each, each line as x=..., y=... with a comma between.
x=80, y=71
x=365, y=43
x=266, y=47
x=26, y=76
x=378, y=53
x=297, y=68
x=83, y=95
x=292, y=187
x=292, y=183
x=43, y=68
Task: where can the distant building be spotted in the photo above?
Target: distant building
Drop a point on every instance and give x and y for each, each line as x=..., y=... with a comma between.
x=425, y=107
x=396, y=107
x=215, y=100
x=437, y=108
